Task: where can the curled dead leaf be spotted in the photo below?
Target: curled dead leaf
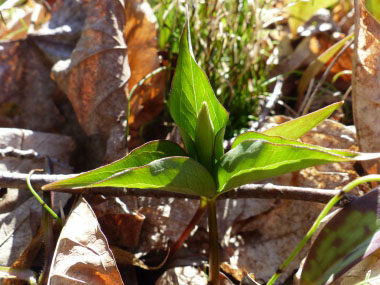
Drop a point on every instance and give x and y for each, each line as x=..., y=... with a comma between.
x=82, y=253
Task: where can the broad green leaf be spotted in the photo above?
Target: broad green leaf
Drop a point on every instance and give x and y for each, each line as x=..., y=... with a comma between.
x=175, y=174
x=204, y=138
x=254, y=160
x=350, y=236
x=300, y=11
x=282, y=141
x=373, y=7
x=190, y=88
x=296, y=128
x=138, y=157
x=316, y=66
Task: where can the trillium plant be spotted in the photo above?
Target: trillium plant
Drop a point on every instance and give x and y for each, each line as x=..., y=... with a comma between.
x=203, y=168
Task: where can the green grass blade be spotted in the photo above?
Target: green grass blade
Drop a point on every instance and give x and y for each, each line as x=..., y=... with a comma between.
x=138, y=157
x=296, y=128
x=316, y=66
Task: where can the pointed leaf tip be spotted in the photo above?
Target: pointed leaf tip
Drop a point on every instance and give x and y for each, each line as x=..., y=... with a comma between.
x=190, y=88
x=296, y=128
x=138, y=157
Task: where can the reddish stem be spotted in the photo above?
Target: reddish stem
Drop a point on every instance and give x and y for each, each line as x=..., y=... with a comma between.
x=189, y=228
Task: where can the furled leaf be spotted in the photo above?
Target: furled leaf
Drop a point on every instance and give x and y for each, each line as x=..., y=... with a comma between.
x=190, y=88
x=301, y=11
x=373, y=8
x=138, y=157
x=204, y=138
x=254, y=160
x=350, y=236
x=315, y=67
x=175, y=174
x=294, y=129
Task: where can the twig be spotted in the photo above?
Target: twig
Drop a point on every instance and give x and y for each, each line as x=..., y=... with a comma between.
x=262, y=191
x=327, y=71
x=277, y=92
x=27, y=154
x=19, y=153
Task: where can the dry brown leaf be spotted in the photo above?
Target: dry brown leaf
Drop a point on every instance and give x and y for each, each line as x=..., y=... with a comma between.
x=20, y=212
x=183, y=275
x=95, y=76
x=140, y=34
x=25, y=89
x=366, y=84
x=125, y=258
x=82, y=255
x=367, y=268
x=121, y=225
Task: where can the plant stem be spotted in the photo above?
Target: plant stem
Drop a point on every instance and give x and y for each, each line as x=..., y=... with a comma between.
x=39, y=199
x=325, y=211
x=213, y=243
x=194, y=221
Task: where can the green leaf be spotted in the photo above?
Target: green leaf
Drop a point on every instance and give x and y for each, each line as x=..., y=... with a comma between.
x=189, y=144
x=350, y=236
x=138, y=157
x=190, y=88
x=316, y=66
x=254, y=160
x=219, y=148
x=301, y=11
x=294, y=129
x=175, y=174
x=282, y=141
x=373, y=8
x=204, y=138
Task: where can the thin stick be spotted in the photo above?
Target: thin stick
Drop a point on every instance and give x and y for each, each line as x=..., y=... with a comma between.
x=189, y=228
x=262, y=191
x=327, y=71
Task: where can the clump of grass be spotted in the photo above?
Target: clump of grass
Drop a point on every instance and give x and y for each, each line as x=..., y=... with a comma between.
x=231, y=46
